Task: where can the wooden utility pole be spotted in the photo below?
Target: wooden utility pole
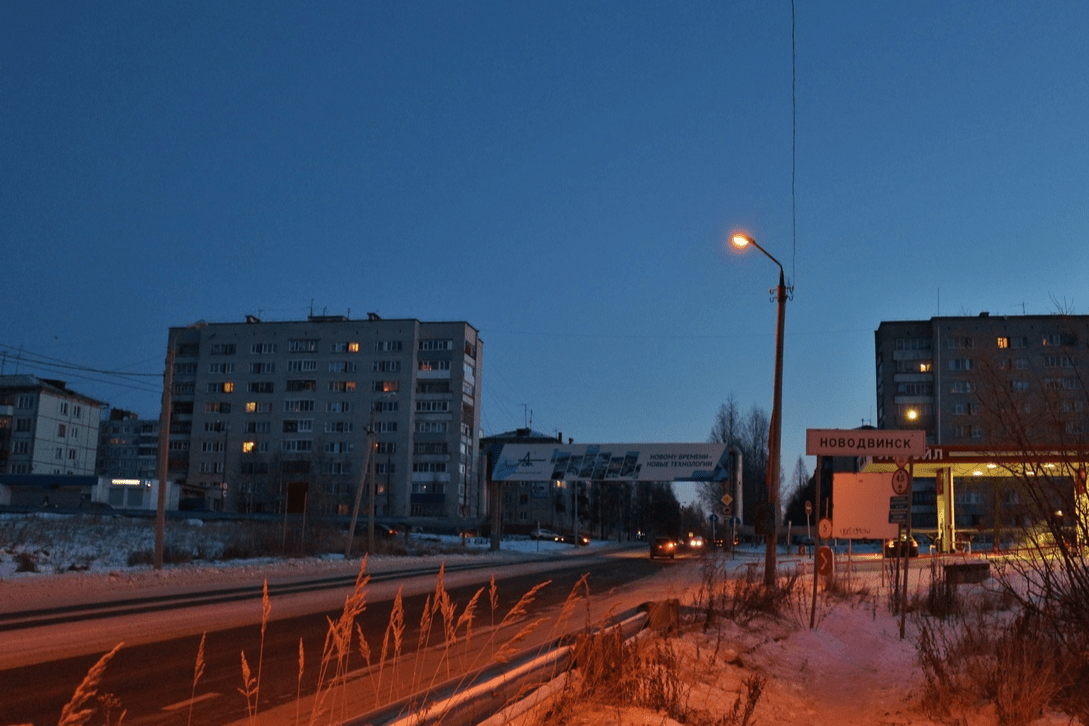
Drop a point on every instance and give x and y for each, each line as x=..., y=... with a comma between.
x=365, y=480
x=162, y=469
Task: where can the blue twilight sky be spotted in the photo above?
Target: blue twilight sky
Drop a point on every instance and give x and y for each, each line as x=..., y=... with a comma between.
x=561, y=175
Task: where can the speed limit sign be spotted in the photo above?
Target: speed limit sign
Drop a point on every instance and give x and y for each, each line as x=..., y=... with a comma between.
x=901, y=481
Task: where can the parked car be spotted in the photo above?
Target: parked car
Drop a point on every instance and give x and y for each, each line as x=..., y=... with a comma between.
x=901, y=546
x=663, y=547
x=542, y=533
x=384, y=530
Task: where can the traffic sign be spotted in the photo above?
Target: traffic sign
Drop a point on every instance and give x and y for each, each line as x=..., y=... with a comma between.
x=898, y=516
x=901, y=481
x=727, y=499
x=808, y=507
x=825, y=561
x=824, y=528
x=713, y=518
x=873, y=443
x=727, y=510
x=898, y=502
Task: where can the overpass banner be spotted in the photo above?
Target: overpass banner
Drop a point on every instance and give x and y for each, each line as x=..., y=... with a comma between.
x=628, y=462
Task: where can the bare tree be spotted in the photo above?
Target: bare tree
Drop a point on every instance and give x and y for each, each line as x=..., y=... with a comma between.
x=1038, y=416
x=799, y=480
x=749, y=433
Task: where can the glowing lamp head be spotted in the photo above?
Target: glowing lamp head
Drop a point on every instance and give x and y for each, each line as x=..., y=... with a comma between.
x=741, y=241
x=912, y=414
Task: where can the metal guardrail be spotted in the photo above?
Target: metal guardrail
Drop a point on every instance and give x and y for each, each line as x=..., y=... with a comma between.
x=467, y=700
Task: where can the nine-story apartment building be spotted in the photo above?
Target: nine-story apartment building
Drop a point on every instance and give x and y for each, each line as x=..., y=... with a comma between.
x=272, y=415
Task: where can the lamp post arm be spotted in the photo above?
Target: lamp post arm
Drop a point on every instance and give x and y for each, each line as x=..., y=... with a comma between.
x=755, y=244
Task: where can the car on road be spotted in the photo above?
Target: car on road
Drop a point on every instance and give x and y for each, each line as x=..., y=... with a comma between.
x=898, y=547
x=581, y=540
x=663, y=547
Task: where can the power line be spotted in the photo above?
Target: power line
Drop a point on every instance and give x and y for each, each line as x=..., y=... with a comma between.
x=60, y=363
x=48, y=364
x=793, y=148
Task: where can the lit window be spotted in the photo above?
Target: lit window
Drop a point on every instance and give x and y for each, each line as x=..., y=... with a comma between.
x=248, y=447
x=1003, y=342
x=353, y=347
x=925, y=367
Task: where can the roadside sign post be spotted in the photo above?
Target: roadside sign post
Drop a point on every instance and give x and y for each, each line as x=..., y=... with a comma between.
x=905, y=546
x=820, y=533
x=808, y=512
x=901, y=445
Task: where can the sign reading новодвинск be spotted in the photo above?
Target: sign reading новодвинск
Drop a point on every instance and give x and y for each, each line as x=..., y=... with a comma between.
x=876, y=443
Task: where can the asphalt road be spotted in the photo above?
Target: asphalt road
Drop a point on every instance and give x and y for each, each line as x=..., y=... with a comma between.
x=153, y=682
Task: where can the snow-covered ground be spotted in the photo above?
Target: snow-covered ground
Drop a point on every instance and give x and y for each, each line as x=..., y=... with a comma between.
x=851, y=669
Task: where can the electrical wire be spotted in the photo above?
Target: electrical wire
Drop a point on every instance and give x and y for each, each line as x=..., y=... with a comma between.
x=38, y=361
x=793, y=148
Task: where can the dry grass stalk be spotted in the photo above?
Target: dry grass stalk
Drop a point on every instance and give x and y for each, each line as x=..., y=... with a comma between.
x=569, y=604
x=426, y=617
x=467, y=613
x=266, y=612
x=338, y=640
x=522, y=606
x=365, y=652
x=110, y=703
x=76, y=711
x=298, y=692
x=511, y=646
x=446, y=608
x=249, y=686
x=198, y=671
x=395, y=628
x=493, y=597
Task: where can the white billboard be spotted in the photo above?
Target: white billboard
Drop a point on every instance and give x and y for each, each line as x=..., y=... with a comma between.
x=860, y=506
x=630, y=462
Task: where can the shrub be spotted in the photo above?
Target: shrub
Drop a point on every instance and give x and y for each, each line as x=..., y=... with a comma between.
x=26, y=562
x=1018, y=664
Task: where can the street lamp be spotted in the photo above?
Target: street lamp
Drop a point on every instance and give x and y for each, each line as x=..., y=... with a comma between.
x=741, y=241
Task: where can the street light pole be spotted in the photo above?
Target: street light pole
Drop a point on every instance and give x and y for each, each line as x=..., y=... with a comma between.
x=775, y=433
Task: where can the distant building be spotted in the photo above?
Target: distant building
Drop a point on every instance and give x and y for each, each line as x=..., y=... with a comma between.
x=46, y=428
x=980, y=387
x=128, y=446
x=526, y=505
x=931, y=374
x=273, y=415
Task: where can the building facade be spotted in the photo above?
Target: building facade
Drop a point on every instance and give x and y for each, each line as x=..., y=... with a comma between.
x=981, y=387
x=527, y=505
x=960, y=378
x=128, y=446
x=46, y=428
x=268, y=416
